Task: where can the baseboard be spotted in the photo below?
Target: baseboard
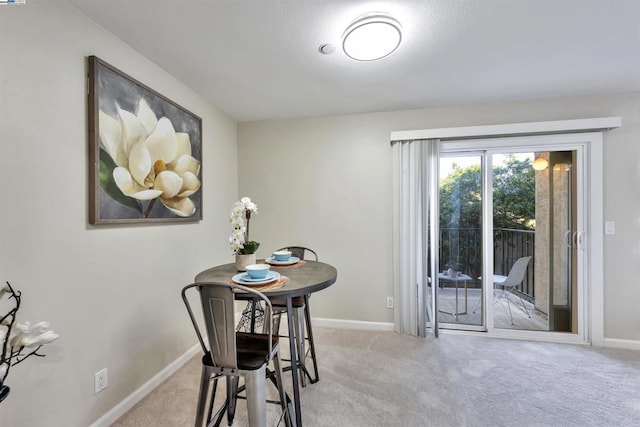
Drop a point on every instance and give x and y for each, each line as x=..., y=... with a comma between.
x=618, y=343
x=129, y=402
x=351, y=324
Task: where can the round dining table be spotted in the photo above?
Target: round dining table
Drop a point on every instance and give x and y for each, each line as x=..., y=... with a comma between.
x=297, y=280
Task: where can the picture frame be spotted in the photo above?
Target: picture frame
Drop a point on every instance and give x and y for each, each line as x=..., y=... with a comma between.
x=145, y=152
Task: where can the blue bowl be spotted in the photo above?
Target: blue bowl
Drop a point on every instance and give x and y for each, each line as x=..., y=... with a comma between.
x=258, y=271
x=282, y=255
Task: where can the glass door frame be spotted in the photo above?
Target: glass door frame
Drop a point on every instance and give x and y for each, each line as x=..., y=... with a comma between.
x=481, y=154
x=588, y=147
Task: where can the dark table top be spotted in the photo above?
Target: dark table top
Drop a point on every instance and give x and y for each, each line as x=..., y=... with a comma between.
x=306, y=279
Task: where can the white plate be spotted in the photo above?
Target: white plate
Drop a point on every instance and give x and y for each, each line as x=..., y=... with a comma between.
x=291, y=260
x=244, y=279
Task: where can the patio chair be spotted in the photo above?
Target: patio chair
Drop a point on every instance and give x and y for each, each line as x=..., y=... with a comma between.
x=515, y=278
x=234, y=354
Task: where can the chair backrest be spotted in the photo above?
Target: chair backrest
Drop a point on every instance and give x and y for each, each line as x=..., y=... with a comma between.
x=218, y=311
x=517, y=272
x=300, y=252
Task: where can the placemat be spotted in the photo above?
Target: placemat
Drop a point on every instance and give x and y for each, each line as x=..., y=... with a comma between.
x=281, y=282
x=277, y=284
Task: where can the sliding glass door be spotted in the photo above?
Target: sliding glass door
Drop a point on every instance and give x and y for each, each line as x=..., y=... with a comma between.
x=510, y=237
x=460, y=240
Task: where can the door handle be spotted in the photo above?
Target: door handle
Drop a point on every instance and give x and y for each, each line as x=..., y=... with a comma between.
x=580, y=240
x=567, y=238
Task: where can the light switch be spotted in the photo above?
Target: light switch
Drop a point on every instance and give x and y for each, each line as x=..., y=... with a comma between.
x=609, y=227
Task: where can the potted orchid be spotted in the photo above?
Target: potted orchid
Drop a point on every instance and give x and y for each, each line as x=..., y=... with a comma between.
x=243, y=248
x=18, y=344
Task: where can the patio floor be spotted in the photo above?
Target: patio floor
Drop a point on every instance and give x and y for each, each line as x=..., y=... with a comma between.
x=471, y=315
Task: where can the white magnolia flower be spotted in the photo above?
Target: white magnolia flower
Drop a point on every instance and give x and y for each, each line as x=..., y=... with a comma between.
x=153, y=160
x=32, y=336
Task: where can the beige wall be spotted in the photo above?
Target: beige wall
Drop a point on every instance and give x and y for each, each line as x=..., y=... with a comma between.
x=111, y=292
x=326, y=182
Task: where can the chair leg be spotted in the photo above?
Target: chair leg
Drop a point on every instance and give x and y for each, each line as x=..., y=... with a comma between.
x=232, y=398
x=509, y=306
x=212, y=399
x=202, y=396
x=283, y=397
x=524, y=306
x=312, y=345
x=503, y=295
x=255, y=382
x=299, y=331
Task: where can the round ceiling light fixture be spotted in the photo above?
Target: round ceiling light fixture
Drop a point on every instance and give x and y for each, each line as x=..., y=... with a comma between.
x=372, y=36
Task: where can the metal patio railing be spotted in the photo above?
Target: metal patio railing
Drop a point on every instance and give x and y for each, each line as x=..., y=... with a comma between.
x=461, y=249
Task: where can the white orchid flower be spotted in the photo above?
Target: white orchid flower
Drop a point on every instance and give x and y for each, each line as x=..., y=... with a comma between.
x=248, y=204
x=153, y=160
x=239, y=211
x=235, y=244
x=238, y=234
x=3, y=370
x=237, y=221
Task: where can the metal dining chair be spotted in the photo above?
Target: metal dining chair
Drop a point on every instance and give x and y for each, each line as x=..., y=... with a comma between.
x=234, y=354
x=302, y=318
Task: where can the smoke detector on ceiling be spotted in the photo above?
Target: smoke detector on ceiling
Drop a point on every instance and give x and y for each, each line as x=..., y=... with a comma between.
x=327, y=48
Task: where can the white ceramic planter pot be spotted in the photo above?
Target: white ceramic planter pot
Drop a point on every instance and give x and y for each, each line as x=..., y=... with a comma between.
x=243, y=260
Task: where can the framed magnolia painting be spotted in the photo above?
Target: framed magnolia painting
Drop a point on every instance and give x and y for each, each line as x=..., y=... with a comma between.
x=145, y=152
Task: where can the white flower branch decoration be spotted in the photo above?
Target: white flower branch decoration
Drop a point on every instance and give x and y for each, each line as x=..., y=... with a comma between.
x=19, y=340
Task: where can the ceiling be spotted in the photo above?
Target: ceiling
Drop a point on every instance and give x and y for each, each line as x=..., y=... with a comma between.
x=260, y=59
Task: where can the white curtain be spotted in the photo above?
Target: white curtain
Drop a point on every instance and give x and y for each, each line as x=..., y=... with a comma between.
x=414, y=173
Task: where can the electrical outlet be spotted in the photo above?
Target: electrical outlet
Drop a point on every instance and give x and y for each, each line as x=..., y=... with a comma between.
x=389, y=302
x=100, y=378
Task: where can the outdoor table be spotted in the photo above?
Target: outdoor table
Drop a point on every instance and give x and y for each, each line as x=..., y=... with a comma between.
x=456, y=280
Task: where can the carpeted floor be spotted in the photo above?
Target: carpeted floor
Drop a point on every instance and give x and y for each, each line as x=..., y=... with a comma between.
x=371, y=378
